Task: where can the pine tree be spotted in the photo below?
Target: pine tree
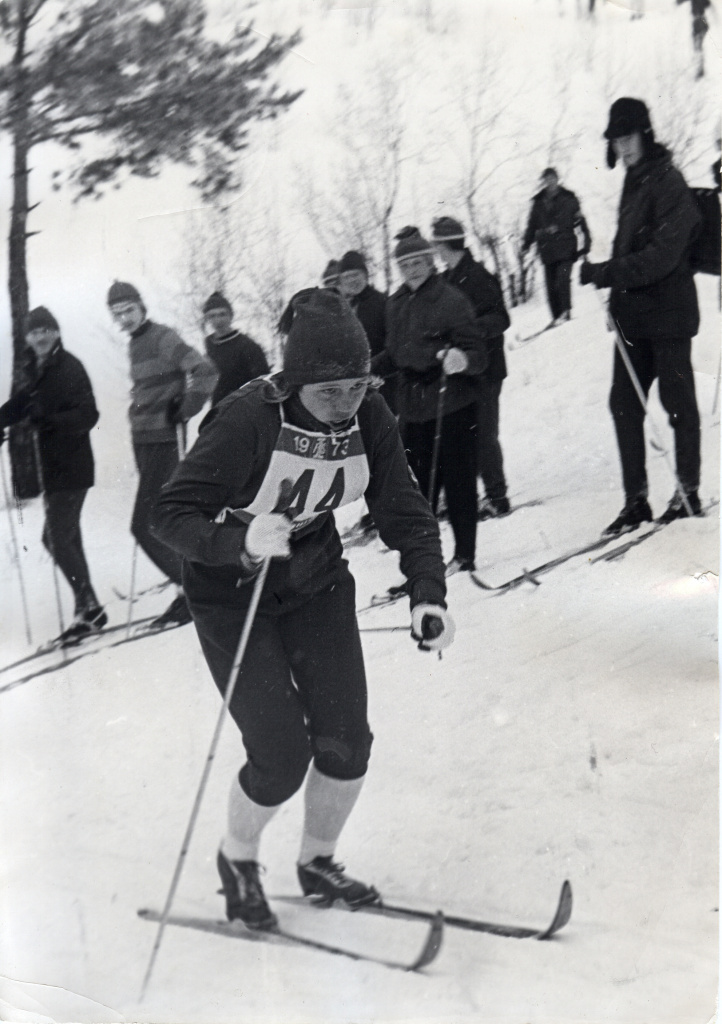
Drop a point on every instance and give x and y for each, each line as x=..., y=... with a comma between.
x=142, y=80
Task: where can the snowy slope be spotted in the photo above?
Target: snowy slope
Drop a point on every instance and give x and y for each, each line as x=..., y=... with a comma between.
x=569, y=732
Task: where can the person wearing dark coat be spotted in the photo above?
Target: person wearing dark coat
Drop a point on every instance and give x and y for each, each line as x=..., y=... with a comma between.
x=59, y=404
x=236, y=357
x=369, y=305
x=484, y=292
x=653, y=304
x=432, y=337
x=553, y=221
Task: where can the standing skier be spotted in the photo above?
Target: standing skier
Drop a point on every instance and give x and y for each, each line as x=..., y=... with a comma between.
x=237, y=357
x=653, y=303
x=60, y=407
x=484, y=292
x=434, y=343
x=270, y=465
x=170, y=383
x=553, y=221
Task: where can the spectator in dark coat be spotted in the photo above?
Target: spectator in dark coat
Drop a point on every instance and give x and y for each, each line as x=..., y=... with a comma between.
x=430, y=327
x=653, y=303
x=484, y=292
x=60, y=406
x=369, y=305
x=554, y=219
x=237, y=357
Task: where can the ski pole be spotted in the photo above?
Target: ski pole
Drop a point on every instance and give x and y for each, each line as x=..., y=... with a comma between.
x=16, y=549
x=51, y=543
x=131, y=600
x=621, y=343
x=717, y=385
x=437, y=435
x=180, y=438
x=232, y=679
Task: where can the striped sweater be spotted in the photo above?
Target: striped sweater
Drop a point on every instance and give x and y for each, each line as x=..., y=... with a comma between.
x=162, y=368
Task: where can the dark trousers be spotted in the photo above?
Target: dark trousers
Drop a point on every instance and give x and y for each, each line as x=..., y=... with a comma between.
x=489, y=458
x=669, y=360
x=155, y=463
x=301, y=688
x=62, y=538
x=456, y=470
x=559, y=290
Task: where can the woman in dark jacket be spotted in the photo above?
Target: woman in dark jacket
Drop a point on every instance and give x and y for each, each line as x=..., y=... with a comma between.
x=271, y=463
x=653, y=303
x=58, y=402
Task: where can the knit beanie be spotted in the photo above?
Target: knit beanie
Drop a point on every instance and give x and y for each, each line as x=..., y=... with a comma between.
x=326, y=340
x=445, y=229
x=352, y=260
x=217, y=301
x=330, y=274
x=121, y=291
x=626, y=116
x=410, y=243
x=41, y=319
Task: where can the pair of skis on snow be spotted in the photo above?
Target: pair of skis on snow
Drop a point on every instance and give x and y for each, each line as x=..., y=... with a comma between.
x=429, y=949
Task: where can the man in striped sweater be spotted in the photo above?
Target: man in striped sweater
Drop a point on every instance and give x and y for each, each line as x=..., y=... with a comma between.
x=171, y=382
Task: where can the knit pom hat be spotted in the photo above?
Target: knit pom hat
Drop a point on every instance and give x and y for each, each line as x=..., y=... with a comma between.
x=121, y=291
x=330, y=274
x=411, y=243
x=626, y=116
x=352, y=260
x=326, y=340
x=217, y=301
x=445, y=229
x=41, y=319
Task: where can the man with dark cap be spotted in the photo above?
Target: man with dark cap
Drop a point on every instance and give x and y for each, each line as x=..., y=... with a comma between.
x=653, y=305
x=553, y=221
x=484, y=292
x=237, y=357
x=369, y=305
x=257, y=494
x=434, y=343
x=171, y=383
x=59, y=404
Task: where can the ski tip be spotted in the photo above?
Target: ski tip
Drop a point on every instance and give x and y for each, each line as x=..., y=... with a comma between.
x=432, y=943
x=563, y=912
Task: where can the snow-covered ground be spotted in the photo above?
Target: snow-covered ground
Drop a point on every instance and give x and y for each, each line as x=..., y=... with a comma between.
x=570, y=732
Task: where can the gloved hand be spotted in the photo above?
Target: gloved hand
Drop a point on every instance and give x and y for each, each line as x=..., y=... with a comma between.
x=174, y=410
x=2, y=438
x=594, y=273
x=453, y=361
x=432, y=626
x=268, y=536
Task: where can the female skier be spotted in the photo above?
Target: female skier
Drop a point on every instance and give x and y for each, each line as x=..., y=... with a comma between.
x=271, y=463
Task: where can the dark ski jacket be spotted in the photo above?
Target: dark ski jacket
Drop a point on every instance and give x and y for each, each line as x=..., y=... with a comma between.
x=59, y=401
x=225, y=469
x=653, y=292
x=370, y=307
x=552, y=222
x=237, y=358
x=164, y=369
x=484, y=292
x=418, y=325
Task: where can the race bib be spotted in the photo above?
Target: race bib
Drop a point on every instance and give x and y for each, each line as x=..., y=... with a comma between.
x=324, y=471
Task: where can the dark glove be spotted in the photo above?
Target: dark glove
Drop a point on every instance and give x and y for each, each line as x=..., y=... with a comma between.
x=174, y=411
x=2, y=438
x=594, y=273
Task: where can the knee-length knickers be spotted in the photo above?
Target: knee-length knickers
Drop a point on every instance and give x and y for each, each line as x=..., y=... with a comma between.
x=301, y=689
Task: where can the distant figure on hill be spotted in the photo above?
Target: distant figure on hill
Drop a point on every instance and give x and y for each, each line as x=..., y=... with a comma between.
x=554, y=218
x=59, y=405
x=171, y=383
x=237, y=357
x=653, y=304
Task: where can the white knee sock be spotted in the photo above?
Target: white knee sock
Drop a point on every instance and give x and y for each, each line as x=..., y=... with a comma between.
x=246, y=822
x=328, y=804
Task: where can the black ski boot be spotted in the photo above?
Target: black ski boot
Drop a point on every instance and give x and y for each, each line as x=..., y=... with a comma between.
x=245, y=899
x=678, y=510
x=89, y=621
x=492, y=508
x=634, y=513
x=322, y=877
x=176, y=614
